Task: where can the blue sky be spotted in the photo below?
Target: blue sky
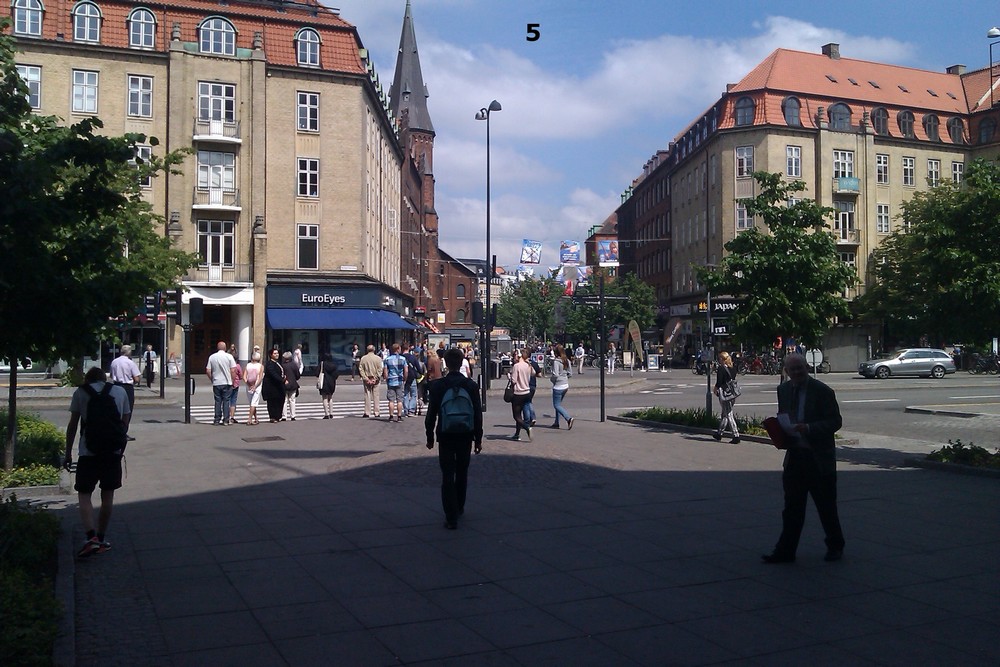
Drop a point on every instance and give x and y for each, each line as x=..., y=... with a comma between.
x=609, y=83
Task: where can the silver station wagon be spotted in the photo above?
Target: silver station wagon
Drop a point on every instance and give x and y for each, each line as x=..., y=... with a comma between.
x=910, y=361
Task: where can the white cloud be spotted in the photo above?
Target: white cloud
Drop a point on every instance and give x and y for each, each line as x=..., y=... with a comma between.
x=462, y=164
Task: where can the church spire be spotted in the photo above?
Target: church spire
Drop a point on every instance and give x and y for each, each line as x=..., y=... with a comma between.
x=408, y=92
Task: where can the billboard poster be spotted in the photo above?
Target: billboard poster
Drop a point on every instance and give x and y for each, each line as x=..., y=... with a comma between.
x=583, y=274
x=523, y=270
x=569, y=253
x=531, y=252
x=607, y=252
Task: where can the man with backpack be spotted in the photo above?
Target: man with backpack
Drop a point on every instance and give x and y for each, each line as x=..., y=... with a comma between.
x=455, y=418
x=414, y=374
x=105, y=411
x=395, y=373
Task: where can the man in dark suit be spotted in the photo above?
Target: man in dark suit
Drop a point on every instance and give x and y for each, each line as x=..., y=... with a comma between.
x=810, y=466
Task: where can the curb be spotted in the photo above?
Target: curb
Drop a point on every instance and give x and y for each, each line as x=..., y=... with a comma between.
x=684, y=429
x=947, y=413
x=955, y=468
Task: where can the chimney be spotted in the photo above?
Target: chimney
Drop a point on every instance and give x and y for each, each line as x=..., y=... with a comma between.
x=832, y=51
x=956, y=69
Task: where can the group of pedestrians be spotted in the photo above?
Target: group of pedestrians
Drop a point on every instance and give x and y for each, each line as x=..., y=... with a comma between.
x=523, y=380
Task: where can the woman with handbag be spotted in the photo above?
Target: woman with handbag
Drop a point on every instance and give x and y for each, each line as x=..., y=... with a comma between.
x=519, y=388
x=727, y=390
x=560, y=385
x=326, y=382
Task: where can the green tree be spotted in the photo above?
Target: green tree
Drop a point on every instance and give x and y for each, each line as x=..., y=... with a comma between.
x=528, y=308
x=640, y=305
x=790, y=280
x=79, y=243
x=942, y=277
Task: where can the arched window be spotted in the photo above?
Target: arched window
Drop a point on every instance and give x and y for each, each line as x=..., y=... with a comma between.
x=217, y=35
x=956, y=130
x=745, y=111
x=792, y=108
x=307, y=47
x=931, y=123
x=880, y=121
x=86, y=22
x=905, y=120
x=27, y=17
x=460, y=316
x=460, y=291
x=840, y=117
x=986, y=130
x=141, y=29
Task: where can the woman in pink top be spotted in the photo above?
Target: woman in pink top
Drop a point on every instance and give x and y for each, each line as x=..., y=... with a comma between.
x=254, y=376
x=520, y=375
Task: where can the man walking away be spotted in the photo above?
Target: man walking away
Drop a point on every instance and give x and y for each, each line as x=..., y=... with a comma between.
x=220, y=372
x=125, y=374
x=455, y=418
x=370, y=370
x=106, y=413
x=394, y=374
x=810, y=415
x=579, y=353
x=414, y=373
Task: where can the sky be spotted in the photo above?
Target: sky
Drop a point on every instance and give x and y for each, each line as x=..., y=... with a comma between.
x=606, y=85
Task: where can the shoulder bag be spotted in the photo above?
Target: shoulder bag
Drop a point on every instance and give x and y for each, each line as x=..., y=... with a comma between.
x=508, y=393
x=731, y=391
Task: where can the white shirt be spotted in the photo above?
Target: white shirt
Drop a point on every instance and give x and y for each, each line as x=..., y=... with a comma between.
x=124, y=370
x=466, y=368
x=220, y=365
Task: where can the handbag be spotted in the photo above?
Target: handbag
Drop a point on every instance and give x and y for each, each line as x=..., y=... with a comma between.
x=319, y=381
x=508, y=393
x=776, y=433
x=731, y=391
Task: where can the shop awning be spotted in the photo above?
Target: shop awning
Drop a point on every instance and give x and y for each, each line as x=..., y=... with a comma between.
x=334, y=318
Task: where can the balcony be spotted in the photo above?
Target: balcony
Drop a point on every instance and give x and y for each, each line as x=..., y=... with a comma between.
x=219, y=131
x=218, y=274
x=846, y=236
x=216, y=199
x=847, y=185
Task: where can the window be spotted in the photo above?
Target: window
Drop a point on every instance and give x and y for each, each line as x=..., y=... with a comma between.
x=882, y=169
x=744, y=111
x=956, y=130
x=86, y=23
x=143, y=154
x=27, y=17
x=460, y=291
x=218, y=36
x=308, y=177
x=905, y=120
x=843, y=164
x=713, y=169
x=792, y=108
x=140, y=96
x=882, y=220
x=957, y=172
x=931, y=123
x=84, y=91
x=934, y=172
x=141, y=29
x=216, y=239
x=848, y=258
x=216, y=171
x=986, y=130
x=840, y=116
x=32, y=77
x=909, y=169
x=744, y=161
x=844, y=222
x=307, y=246
x=460, y=316
x=793, y=161
x=216, y=101
x=880, y=121
x=743, y=219
x=308, y=112
x=307, y=47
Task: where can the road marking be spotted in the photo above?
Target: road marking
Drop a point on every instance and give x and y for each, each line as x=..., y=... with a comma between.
x=873, y=400
x=204, y=414
x=984, y=396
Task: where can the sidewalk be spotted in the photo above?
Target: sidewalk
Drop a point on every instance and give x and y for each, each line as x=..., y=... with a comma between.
x=321, y=543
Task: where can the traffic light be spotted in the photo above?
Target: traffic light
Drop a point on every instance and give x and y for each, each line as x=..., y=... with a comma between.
x=196, y=311
x=477, y=313
x=172, y=304
x=152, y=303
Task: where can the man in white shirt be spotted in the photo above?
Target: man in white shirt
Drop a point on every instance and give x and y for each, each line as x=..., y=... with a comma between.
x=220, y=372
x=579, y=353
x=125, y=373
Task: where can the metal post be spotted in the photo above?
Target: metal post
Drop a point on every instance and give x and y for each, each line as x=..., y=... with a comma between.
x=163, y=359
x=711, y=353
x=488, y=326
x=187, y=373
x=603, y=332
x=992, y=34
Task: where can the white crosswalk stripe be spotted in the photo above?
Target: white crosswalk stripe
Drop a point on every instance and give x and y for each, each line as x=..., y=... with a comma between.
x=205, y=414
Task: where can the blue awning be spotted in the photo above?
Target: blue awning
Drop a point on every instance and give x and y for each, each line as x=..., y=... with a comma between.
x=334, y=318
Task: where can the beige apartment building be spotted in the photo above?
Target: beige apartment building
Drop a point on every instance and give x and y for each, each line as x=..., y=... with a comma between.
x=864, y=137
x=291, y=190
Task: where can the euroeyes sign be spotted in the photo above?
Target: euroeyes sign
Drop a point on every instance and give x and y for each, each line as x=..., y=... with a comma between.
x=323, y=299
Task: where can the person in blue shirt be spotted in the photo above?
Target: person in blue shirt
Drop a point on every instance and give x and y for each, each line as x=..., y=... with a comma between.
x=394, y=374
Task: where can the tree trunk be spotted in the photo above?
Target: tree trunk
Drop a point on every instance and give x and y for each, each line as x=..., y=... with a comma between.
x=8, y=462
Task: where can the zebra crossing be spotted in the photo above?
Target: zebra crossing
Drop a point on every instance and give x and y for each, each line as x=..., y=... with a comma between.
x=205, y=414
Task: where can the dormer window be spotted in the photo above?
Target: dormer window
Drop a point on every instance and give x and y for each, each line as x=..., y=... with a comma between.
x=307, y=47
x=745, y=111
x=905, y=120
x=217, y=36
x=840, y=117
x=141, y=29
x=931, y=124
x=791, y=108
x=86, y=22
x=27, y=17
x=956, y=130
x=880, y=121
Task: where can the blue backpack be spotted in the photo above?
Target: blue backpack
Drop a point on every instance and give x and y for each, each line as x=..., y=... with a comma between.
x=458, y=415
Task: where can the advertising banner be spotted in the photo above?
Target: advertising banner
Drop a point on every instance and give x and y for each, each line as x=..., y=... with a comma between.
x=607, y=253
x=569, y=253
x=531, y=252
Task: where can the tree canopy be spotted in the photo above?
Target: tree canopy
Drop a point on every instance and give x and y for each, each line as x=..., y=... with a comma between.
x=941, y=278
x=790, y=279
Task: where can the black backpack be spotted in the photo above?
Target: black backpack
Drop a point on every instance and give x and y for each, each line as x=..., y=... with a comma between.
x=102, y=426
x=458, y=414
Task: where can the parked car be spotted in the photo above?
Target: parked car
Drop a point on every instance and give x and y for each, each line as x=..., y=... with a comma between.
x=910, y=361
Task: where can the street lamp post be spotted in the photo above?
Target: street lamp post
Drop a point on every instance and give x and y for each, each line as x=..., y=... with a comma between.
x=484, y=114
x=992, y=33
